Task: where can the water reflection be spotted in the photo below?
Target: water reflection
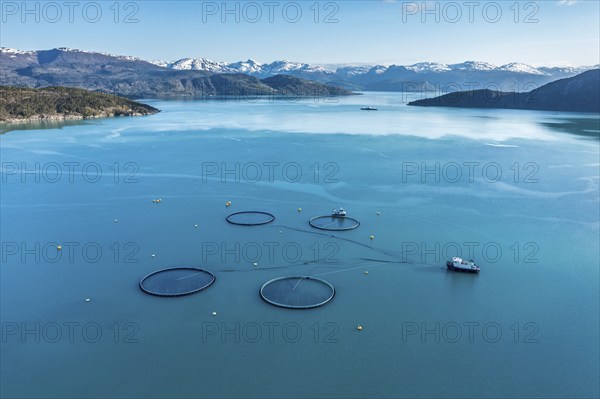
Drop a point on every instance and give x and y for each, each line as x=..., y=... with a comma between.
x=588, y=128
x=8, y=127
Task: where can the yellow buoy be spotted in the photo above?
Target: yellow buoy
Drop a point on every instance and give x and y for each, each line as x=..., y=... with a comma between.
x=372, y=237
x=299, y=209
x=359, y=328
x=58, y=247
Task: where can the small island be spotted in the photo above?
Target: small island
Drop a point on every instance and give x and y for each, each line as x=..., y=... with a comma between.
x=20, y=104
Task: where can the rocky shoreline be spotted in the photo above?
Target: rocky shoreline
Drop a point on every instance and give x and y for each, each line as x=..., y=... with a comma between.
x=62, y=118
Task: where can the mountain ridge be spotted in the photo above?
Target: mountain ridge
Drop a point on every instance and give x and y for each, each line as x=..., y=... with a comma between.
x=575, y=94
x=422, y=76
x=425, y=66
x=426, y=76
x=135, y=78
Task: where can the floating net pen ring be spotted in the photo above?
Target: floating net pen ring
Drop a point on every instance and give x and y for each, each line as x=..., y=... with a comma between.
x=250, y=218
x=332, y=223
x=176, y=281
x=297, y=292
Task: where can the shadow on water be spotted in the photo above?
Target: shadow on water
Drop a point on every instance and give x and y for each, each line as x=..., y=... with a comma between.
x=461, y=279
x=588, y=128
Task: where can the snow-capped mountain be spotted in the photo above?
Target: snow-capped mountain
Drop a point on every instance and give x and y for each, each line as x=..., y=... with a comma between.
x=281, y=67
x=255, y=68
x=11, y=52
x=379, y=69
x=363, y=77
x=521, y=68
x=249, y=67
x=472, y=66
x=119, y=57
x=160, y=63
x=428, y=67
x=353, y=70
x=553, y=71
x=15, y=52
x=198, y=64
x=132, y=77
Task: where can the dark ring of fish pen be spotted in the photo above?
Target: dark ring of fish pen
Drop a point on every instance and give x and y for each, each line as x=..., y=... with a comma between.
x=270, y=215
x=147, y=291
x=311, y=222
x=283, y=305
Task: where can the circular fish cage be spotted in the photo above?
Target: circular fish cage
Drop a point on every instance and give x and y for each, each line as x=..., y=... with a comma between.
x=177, y=281
x=333, y=223
x=297, y=292
x=250, y=218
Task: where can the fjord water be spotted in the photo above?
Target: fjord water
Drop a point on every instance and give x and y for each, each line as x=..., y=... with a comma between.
x=515, y=190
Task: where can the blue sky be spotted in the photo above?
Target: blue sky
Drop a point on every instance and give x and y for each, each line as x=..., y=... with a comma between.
x=551, y=32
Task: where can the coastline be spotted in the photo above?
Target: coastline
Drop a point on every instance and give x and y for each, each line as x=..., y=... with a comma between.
x=55, y=121
x=62, y=118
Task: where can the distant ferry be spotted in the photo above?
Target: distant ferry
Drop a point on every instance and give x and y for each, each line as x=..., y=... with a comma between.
x=368, y=109
x=338, y=214
x=460, y=265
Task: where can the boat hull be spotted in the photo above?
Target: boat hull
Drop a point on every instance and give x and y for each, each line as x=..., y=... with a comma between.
x=450, y=266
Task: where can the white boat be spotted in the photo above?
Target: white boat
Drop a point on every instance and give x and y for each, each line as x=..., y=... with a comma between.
x=368, y=109
x=338, y=214
x=461, y=265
